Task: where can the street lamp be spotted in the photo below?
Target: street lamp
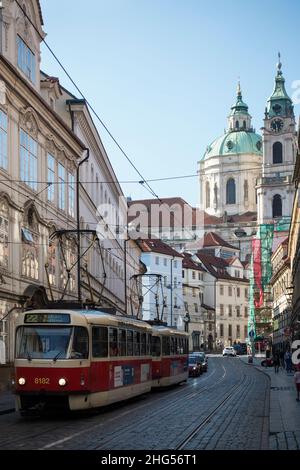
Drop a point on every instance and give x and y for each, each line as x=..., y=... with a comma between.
x=186, y=320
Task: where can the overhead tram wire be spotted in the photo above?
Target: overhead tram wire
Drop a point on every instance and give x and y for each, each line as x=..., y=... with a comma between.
x=143, y=181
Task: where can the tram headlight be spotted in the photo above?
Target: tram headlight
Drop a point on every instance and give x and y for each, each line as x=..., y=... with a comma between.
x=62, y=382
x=21, y=381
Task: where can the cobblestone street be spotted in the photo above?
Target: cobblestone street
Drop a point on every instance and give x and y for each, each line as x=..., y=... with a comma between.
x=225, y=408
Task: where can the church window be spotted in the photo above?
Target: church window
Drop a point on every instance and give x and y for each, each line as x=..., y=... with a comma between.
x=230, y=191
x=3, y=140
x=237, y=125
x=246, y=190
x=277, y=206
x=26, y=59
x=277, y=152
x=244, y=124
x=207, y=194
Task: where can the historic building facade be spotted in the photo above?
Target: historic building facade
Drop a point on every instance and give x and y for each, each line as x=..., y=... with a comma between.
x=37, y=152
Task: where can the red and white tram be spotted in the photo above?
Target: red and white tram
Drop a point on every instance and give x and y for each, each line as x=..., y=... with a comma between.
x=81, y=359
x=169, y=356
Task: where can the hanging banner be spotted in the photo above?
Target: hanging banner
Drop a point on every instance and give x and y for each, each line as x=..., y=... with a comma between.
x=251, y=319
x=257, y=271
x=266, y=238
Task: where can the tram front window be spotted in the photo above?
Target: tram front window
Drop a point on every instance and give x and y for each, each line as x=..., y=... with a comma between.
x=42, y=342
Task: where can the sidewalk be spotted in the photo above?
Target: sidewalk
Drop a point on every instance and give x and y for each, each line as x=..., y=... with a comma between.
x=284, y=409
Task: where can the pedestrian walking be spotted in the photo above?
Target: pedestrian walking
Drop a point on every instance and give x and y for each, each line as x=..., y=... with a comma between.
x=276, y=362
x=288, y=361
x=281, y=358
x=297, y=381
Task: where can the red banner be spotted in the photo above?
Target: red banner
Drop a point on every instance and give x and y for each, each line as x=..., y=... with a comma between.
x=257, y=271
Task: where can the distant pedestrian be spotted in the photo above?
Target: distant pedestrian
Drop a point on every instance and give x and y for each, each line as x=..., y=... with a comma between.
x=288, y=361
x=281, y=354
x=297, y=381
x=276, y=362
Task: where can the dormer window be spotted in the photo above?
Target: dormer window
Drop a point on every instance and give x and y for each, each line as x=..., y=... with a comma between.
x=26, y=59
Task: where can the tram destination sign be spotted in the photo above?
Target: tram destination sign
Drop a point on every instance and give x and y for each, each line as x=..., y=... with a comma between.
x=47, y=318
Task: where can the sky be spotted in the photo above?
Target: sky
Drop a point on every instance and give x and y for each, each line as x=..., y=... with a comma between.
x=162, y=75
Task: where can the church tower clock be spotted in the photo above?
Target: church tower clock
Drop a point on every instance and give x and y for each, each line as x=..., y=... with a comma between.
x=274, y=188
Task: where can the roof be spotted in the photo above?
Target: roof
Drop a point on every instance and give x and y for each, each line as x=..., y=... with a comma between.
x=235, y=142
x=157, y=246
x=217, y=266
x=189, y=263
x=40, y=12
x=212, y=239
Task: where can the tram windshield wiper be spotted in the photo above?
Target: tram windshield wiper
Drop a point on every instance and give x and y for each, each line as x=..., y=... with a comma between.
x=57, y=355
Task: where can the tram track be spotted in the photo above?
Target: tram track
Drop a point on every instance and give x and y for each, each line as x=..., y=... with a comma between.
x=183, y=392
x=208, y=418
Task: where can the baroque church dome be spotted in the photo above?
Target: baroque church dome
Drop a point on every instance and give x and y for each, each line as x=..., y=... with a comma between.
x=240, y=138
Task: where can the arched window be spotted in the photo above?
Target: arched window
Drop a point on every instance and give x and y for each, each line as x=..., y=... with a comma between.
x=277, y=206
x=237, y=125
x=207, y=195
x=246, y=191
x=277, y=152
x=230, y=191
x=244, y=124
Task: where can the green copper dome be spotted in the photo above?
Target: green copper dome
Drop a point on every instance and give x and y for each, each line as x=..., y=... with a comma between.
x=279, y=103
x=235, y=143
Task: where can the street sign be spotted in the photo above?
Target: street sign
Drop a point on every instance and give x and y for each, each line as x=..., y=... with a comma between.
x=251, y=334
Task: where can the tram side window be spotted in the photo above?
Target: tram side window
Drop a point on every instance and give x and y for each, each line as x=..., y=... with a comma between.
x=143, y=344
x=122, y=342
x=176, y=346
x=129, y=343
x=149, y=337
x=80, y=346
x=113, y=342
x=172, y=345
x=186, y=349
x=100, y=341
x=136, y=343
x=155, y=346
x=166, y=346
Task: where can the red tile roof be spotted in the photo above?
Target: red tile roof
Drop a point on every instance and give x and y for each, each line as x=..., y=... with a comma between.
x=212, y=239
x=217, y=266
x=188, y=263
x=157, y=246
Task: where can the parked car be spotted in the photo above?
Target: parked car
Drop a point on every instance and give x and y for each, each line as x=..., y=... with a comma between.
x=195, y=368
x=229, y=351
x=201, y=357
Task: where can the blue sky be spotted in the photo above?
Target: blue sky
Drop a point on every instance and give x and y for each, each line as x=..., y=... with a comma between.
x=162, y=74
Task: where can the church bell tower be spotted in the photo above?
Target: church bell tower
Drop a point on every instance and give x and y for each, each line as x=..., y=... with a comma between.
x=274, y=188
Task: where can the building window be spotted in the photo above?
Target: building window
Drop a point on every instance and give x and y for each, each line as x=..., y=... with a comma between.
x=183, y=273
x=246, y=191
x=175, y=283
x=230, y=291
x=4, y=235
x=246, y=293
x=51, y=177
x=207, y=195
x=221, y=330
x=28, y=160
x=175, y=263
x=246, y=312
x=61, y=187
x=193, y=275
x=236, y=273
x=196, y=308
x=229, y=331
x=3, y=140
x=230, y=310
x=165, y=281
x=245, y=331
x=26, y=59
x=221, y=309
x=157, y=260
x=237, y=124
x=52, y=263
x=277, y=152
x=277, y=206
x=238, y=311
x=230, y=191
x=221, y=290
x=238, y=292
x=165, y=262
x=30, y=247
x=238, y=331
x=71, y=188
